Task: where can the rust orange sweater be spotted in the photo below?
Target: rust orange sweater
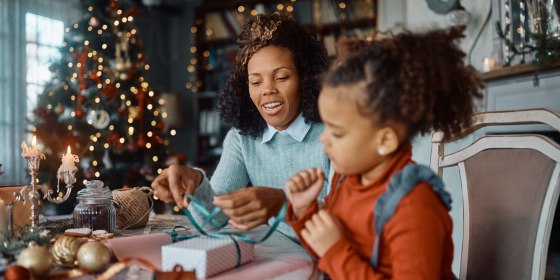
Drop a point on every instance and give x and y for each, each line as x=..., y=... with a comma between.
x=415, y=244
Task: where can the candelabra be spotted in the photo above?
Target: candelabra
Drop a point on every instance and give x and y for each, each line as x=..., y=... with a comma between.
x=30, y=193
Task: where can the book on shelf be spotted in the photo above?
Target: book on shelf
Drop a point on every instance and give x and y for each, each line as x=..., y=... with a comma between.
x=329, y=41
x=224, y=24
x=362, y=9
x=209, y=122
x=335, y=11
x=215, y=27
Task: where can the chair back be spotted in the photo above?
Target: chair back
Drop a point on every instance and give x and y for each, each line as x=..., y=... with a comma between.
x=21, y=213
x=510, y=186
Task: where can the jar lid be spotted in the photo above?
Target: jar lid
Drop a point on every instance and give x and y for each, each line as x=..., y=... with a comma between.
x=95, y=190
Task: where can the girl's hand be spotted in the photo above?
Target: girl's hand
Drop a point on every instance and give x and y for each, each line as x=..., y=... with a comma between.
x=321, y=232
x=250, y=207
x=303, y=188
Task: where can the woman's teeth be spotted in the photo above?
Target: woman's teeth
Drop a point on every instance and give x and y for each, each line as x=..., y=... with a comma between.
x=272, y=105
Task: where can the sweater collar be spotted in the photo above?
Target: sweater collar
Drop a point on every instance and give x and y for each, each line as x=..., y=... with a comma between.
x=298, y=130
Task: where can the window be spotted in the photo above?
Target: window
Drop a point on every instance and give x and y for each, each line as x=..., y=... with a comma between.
x=44, y=36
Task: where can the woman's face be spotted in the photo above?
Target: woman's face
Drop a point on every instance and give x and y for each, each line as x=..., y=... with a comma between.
x=275, y=85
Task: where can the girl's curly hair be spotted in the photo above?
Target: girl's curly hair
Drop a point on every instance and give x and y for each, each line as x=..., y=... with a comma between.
x=309, y=55
x=417, y=79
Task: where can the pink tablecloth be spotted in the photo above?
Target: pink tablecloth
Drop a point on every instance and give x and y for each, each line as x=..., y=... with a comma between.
x=275, y=257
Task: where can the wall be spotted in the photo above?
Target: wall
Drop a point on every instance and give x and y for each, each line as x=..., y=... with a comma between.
x=416, y=16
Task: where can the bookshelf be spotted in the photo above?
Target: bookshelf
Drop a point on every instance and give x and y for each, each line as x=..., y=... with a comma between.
x=217, y=24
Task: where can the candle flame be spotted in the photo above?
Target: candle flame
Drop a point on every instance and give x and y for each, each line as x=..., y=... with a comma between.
x=68, y=150
x=34, y=142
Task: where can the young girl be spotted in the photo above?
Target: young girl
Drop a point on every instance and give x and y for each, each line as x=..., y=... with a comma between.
x=373, y=104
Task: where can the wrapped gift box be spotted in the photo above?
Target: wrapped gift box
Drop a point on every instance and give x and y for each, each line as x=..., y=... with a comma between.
x=207, y=256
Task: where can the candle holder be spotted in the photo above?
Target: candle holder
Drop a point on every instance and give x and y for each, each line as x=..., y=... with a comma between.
x=32, y=190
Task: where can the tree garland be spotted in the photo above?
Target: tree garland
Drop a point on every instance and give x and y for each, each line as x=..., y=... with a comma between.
x=41, y=234
x=544, y=46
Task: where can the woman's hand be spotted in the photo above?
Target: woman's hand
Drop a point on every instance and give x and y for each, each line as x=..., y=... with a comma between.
x=321, y=232
x=174, y=182
x=303, y=188
x=250, y=207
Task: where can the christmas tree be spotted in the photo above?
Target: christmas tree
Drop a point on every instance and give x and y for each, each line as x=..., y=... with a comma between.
x=99, y=103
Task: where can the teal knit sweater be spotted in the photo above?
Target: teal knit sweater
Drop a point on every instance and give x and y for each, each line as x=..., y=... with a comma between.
x=246, y=160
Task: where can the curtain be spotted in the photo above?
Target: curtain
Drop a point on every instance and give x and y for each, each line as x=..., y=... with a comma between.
x=13, y=95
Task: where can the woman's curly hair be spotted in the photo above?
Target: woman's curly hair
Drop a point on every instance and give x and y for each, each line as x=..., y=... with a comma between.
x=417, y=79
x=309, y=55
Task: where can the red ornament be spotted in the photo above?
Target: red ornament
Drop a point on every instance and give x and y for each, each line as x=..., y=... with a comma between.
x=133, y=12
x=17, y=272
x=113, y=138
x=122, y=111
x=141, y=142
x=79, y=112
x=131, y=72
x=82, y=86
x=81, y=98
x=114, y=5
x=95, y=78
x=43, y=113
x=110, y=91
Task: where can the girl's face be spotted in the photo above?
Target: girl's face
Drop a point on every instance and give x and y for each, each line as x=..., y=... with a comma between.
x=350, y=138
x=274, y=86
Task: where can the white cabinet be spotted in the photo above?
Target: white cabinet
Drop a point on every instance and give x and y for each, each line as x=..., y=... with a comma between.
x=520, y=92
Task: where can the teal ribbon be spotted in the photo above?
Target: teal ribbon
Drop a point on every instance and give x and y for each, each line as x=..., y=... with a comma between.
x=177, y=236
x=210, y=218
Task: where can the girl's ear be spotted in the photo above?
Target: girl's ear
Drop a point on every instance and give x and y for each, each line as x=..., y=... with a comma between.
x=387, y=140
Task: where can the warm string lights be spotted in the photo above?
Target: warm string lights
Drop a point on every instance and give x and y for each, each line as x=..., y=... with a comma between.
x=106, y=90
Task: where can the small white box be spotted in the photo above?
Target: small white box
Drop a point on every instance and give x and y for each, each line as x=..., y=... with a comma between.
x=207, y=256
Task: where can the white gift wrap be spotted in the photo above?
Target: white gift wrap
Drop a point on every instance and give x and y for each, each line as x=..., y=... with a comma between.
x=207, y=256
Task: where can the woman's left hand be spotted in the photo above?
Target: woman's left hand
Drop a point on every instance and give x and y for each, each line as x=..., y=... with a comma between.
x=250, y=207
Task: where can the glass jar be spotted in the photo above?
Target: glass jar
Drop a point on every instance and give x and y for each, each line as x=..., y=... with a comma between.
x=95, y=209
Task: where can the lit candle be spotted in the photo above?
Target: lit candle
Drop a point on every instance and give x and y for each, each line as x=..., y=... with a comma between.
x=68, y=162
x=488, y=64
x=32, y=151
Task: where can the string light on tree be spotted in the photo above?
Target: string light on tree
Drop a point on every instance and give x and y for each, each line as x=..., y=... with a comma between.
x=108, y=126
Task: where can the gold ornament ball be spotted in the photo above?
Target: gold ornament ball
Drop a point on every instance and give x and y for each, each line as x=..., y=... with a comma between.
x=93, y=256
x=37, y=259
x=65, y=249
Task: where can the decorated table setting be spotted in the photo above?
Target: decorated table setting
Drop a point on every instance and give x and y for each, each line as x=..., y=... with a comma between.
x=116, y=235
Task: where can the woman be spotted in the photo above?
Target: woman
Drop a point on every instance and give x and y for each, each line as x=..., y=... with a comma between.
x=271, y=102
